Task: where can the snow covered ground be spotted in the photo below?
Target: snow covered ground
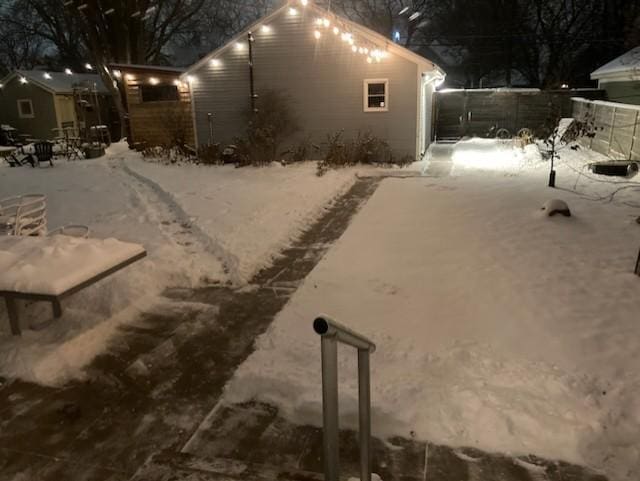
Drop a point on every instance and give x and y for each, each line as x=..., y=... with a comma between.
x=198, y=224
x=497, y=327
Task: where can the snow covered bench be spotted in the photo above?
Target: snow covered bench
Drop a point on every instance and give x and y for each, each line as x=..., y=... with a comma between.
x=52, y=268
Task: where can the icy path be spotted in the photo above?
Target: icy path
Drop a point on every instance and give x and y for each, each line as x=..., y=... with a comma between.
x=497, y=327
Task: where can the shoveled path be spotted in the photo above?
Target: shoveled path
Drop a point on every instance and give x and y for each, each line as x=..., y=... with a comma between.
x=161, y=374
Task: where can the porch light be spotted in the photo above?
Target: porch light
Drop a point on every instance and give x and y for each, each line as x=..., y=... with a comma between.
x=23, y=80
x=154, y=81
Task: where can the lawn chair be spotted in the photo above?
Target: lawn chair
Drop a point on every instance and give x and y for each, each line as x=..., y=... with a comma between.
x=31, y=215
x=72, y=230
x=44, y=153
x=8, y=214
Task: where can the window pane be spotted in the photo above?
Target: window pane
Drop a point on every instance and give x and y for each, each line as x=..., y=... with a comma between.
x=376, y=101
x=376, y=89
x=25, y=107
x=159, y=93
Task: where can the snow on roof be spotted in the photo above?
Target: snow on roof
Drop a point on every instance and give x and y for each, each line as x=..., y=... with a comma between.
x=60, y=82
x=626, y=63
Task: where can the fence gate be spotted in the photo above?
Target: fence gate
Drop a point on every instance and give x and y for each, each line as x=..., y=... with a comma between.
x=475, y=112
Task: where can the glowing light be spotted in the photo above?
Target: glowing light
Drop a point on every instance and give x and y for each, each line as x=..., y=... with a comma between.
x=336, y=30
x=129, y=77
x=47, y=76
x=239, y=46
x=355, y=49
x=396, y=36
x=317, y=34
x=439, y=82
x=564, y=86
x=304, y=2
x=177, y=83
x=293, y=11
x=369, y=60
x=190, y=79
x=366, y=51
x=68, y=71
x=88, y=66
x=23, y=80
x=351, y=41
x=154, y=81
x=326, y=23
x=404, y=10
x=1, y=86
x=215, y=62
x=117, y=73
x=265, y=29
x=413, y=16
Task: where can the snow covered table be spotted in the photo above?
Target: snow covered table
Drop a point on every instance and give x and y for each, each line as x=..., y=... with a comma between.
x=52, y=268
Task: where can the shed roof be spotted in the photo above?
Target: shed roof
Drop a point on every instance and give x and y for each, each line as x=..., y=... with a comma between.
x=627, y=63
x=59, y=82
x=149, y=68
x=356, y=28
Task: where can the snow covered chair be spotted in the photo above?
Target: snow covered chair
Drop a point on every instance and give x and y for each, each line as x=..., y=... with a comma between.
x=31, y=215
x=8, y=214
x=44, y=153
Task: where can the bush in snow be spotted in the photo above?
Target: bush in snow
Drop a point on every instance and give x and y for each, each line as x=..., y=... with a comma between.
x=210, y=154
x=364, y=149
x=271, y=123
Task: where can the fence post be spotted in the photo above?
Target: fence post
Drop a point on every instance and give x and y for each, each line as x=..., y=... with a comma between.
x=633, y=136
x=329, y=353
x=613, y=124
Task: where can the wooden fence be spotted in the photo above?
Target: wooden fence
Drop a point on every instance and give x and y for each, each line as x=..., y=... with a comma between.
x=616, y=126
x=474, y=112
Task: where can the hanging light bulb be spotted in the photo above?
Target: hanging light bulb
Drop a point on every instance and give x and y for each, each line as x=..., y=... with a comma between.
x=129, y=77
x=47, y=76
x=265, y=29
x=326, y=23
x=154, y=81
x=317, y=34
x=117, y=73
x=293, y=11
x=366, y=51
x=336, y=30
x=304, y=2
x=191, y=79
x=354, y=49
x=215, y=62
x=369, y=60
x=239, y=46
x=88, y=66
x=68, y=71
x=23, y=80
x=361, y=50
x=177, y=83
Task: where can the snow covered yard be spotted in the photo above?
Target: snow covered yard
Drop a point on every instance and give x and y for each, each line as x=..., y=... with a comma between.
x=198, y=224
x=497, y=327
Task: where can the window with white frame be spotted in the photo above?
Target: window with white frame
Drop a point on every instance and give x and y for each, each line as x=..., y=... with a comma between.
x=376, y=95
x=25, y=109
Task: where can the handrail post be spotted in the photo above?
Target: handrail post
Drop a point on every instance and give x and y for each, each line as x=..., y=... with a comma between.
x=330, y=334
x=329, y=347
x=364, y=413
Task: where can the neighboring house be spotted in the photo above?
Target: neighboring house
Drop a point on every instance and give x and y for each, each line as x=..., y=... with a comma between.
x=37, y=102
x=620, y=78
x=158, y=104
x=336, y=74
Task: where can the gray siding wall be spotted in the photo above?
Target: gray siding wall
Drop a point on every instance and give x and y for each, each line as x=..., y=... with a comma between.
x=624, y=92
x=323, y=79
x=43, y=107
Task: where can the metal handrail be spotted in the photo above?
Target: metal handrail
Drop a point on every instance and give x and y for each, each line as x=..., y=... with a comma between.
x=331, y=332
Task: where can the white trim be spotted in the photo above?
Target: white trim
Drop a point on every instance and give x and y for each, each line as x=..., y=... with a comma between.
x=193, y=118
x=32, y=115
x=365, y=94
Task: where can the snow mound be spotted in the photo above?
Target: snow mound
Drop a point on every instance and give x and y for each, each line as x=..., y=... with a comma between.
x=556, y=206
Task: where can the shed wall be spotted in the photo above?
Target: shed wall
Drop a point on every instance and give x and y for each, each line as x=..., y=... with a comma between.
x=625, y=92
x=323, y=80
x=44, y=120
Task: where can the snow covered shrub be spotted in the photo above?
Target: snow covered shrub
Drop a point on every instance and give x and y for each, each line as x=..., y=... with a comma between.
x=364, y=149
x=271, y=123
x=301, y=152
x=210, y=154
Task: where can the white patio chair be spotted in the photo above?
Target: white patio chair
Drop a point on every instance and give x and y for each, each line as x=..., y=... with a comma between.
x=31, y=216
